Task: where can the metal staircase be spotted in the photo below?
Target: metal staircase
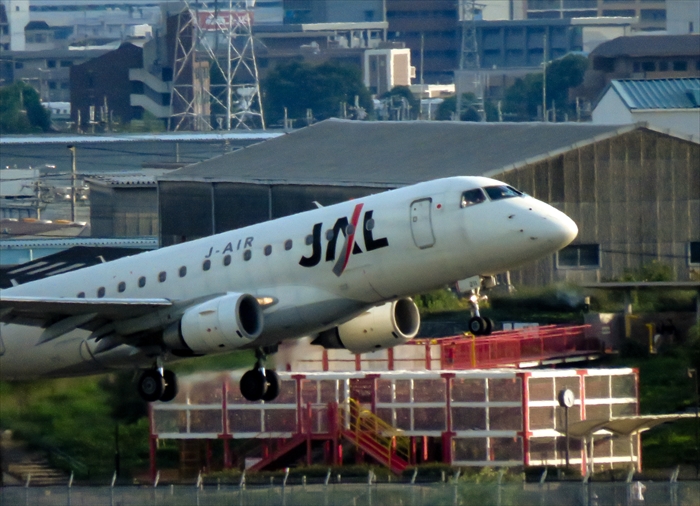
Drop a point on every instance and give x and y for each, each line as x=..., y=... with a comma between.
x=374, y=436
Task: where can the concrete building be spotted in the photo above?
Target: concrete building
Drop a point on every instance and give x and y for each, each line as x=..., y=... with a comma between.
x=682, y=17
x=643, y=57
x=666, y=104
x=14, y=16
x=633, y=191
x=651, y=14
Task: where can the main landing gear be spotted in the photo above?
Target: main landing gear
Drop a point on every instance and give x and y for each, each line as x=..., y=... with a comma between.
x=158, y=384
x=260, y=384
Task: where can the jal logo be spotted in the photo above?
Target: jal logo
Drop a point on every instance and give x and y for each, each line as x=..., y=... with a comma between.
x=349, y=247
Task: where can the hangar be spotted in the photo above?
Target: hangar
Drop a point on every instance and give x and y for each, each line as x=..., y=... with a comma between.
x=633, y=190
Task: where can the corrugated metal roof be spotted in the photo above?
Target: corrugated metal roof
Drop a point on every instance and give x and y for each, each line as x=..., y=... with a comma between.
x=390, y=154
x=659, y=93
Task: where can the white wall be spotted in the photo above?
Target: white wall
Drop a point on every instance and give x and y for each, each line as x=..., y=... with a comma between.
x=611, y=110
x=681, y=14
x=18, y=17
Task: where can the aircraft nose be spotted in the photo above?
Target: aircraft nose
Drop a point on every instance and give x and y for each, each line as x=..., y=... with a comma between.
x=560, y=229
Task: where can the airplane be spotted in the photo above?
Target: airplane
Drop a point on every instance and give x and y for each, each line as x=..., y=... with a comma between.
x=343, y=274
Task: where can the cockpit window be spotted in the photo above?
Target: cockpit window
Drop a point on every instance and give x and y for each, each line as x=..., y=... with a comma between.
x=472, y=197
x=502, y=192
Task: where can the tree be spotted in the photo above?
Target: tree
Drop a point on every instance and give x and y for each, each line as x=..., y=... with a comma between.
x=299, y=86
x=21, y=111
x=448, y=107
x=398, y=93
x=523, y=98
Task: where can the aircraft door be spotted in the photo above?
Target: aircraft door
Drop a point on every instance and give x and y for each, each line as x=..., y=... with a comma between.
x=421, y=224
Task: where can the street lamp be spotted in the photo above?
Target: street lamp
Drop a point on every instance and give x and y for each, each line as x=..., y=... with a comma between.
x=693, y=373
x=72, y=182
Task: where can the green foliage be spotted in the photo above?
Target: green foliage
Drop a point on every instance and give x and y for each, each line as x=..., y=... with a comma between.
x=405, y=92
x=74, y=416
x=438, y=301
x=653, y=271
x=525, y=95
x=448, y=107
x=21, y=111
x=299, y=86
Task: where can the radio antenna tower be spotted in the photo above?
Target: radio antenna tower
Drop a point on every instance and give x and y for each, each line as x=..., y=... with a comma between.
x=469, y=12
x=215, y=74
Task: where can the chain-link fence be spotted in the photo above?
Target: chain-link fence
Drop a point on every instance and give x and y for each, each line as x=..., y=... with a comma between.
x=353, y=494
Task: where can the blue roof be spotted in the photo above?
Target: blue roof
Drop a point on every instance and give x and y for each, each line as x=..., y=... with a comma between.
x=681, y=93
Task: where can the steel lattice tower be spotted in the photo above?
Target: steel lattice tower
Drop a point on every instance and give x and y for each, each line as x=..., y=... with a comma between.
x=469, y=54
x=214, y=39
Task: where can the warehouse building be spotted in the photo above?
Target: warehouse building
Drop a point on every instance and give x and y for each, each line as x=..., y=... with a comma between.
x=633, y=191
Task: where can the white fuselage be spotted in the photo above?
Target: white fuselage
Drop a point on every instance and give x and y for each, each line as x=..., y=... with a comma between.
x=403, y=242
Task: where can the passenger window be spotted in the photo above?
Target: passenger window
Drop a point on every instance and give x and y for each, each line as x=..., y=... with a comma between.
x=329, y=234
x=502, y=192
x=369, y=225
x=472, y=197
x=81, y=295
x=161, y=276
x=183, y=271
x=288, y=244
x=227, y=260
x=142, y=282
x=101, y=292
x=268, y=250
x=247, y=255
x=309, y=240
x=206, y=265
x=121, y=287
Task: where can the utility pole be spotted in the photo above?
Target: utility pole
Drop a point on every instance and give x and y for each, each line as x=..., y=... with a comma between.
x=422, y=50
x=72, y=183
x=544, y=77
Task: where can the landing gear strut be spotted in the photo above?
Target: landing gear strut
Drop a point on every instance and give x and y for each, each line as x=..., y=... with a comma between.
x=158, y=384
x=260, y=384
x=478, y=325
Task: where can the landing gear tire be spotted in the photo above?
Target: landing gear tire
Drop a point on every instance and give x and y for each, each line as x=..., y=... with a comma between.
x=273, y=386
x=480, y=326
x=253, y=385
x=171, y=386
x=489, y=326
x=151, y=385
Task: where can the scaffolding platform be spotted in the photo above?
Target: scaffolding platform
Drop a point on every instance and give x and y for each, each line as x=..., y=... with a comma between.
x=492, y=417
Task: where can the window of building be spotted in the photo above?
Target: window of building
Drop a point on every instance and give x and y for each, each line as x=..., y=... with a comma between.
x=101, y=292
x=162, y=276
x=19, y=65
x=653, y=14
x=183, y=271
x=51, y=64
x=268, y=250
x=648, y=66
x=247, y=255
x=694, y=253
x=52, y=85
x=206, y=265
x=680, y=66
x=121, y=287
x=142, y=281
x=579, y=256
x=227, y=260
x=288, y=244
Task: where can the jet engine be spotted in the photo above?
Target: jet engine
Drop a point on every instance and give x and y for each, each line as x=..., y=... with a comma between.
x=217, y=325
x=379, y=328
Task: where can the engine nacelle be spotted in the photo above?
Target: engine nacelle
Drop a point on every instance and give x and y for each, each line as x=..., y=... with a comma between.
x=379, y=328
x=217, y=325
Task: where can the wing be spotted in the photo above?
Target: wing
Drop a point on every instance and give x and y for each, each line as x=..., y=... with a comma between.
x=42, y=309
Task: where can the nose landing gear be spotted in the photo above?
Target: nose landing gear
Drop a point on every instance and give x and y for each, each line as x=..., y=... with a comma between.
x=478, y=325
x=260, y=384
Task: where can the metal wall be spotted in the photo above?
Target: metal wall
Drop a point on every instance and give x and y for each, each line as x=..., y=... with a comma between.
x=190, y=210
x=637, y=195
x=123, y=212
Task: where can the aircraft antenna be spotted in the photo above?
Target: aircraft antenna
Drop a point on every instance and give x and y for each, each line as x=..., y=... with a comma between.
x=215, y=74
